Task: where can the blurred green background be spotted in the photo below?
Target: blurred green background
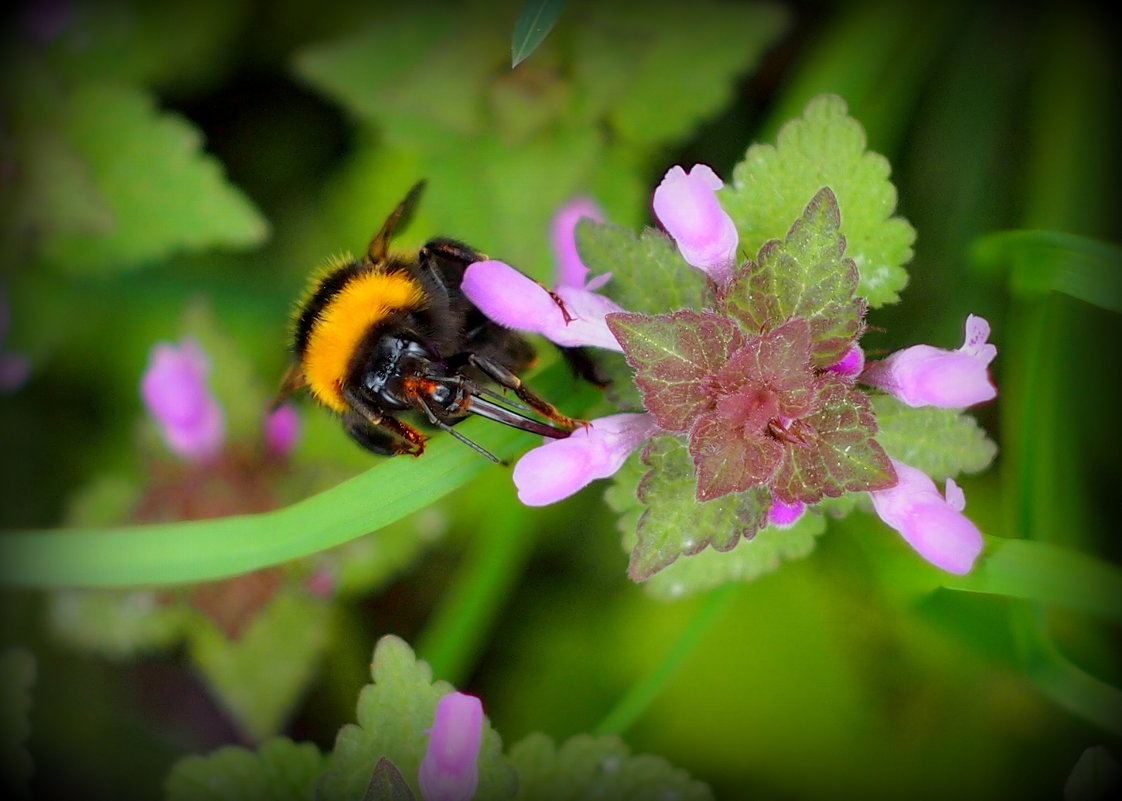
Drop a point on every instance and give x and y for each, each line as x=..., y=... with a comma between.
x=181, y=167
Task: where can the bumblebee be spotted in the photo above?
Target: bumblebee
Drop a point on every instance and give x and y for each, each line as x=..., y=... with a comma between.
x=393, y=333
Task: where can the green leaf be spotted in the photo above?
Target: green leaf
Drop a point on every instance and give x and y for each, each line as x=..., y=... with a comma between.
x=674, y=524
x=17, y=676
x=417, y=76
x=587, y=767
x=940, y=442
x=1039, y=262
x=534, y=23
x=751, y=558
x=825, y=147
x=673, y=355
x=280, y=770
x=162, y=193
x=649, y=275
x=686, y=62
x=116, y=624
x=804, y=275
x=393, y=715
x=840, y=456
x=260, y=677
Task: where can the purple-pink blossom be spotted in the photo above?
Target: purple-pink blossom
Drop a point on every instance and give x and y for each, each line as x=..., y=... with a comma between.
x=785, y=515
x=927, y=376
x=685, y=203
x=174, y=389
x=561, y=467
x=282, y=429
x=449, y=770
x=570, y=316
x=931, y=523
x=850, y=365
x=571, y=271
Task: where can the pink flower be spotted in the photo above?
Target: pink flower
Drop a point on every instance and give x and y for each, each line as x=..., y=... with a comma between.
x=13, y=367
x=282, y=429
x=686, y=205
x=448, y=770
x=925, y=376
x=570, y=269
x=174, y=390
x=560, y=467
x=785, y=515
x=510, y=298
x=934, y=526
x=850, y=365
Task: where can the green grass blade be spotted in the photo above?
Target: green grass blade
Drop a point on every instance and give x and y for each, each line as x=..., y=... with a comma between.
x=1049, y=261
x=204, y=550
x=1046, y=574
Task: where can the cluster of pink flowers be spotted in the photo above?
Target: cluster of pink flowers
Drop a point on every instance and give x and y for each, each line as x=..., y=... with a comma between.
x=175, y=391
x=686, y=206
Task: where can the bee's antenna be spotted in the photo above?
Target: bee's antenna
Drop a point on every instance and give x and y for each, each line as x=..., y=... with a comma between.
x=380, y=244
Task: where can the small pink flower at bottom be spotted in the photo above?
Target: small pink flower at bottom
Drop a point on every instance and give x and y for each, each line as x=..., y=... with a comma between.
x=512, y=299
x=933, y=525
x=448, y=770
x=561, y=467
x=174, y=389
x=926, y=376
x=686, y=205
x=785, y=515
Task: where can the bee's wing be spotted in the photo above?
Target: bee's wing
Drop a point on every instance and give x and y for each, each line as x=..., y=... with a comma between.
x=292, y=380
x=379, y=246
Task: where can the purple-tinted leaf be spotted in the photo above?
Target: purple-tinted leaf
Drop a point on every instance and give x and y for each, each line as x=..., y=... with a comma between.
x=675, y=356
x=387, y=784
x=837, y=452
x=673, y=524
x=804, y=275
x=777, y=363
x=730, y=460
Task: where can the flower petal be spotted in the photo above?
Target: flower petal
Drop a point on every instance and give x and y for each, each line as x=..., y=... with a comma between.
x=926, y=376
x=449, y=770
x=935, y=527
x=570, y=269
x=174, y=389
x=686, y=206
x=282, y=429
x=561, y=467
x=512, y=299
x=785, y=515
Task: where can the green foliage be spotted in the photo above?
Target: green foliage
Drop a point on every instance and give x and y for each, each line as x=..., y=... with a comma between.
x=17, y=676
x=393, y=714
x=804, y=275
x=131, y=154
x=597, y=767
x=280, y=770
x=259, y=677
x=117, y=625
x=534, y=23
x=825, y=147
x=649, y=275
x=673, y=525
x=750, y=558
x=940, y=442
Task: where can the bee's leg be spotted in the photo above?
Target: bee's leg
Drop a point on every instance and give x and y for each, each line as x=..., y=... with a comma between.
x=380, y=433
x=505, y=378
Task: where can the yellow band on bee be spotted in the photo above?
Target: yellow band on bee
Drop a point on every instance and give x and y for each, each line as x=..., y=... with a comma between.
x=339, y=328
